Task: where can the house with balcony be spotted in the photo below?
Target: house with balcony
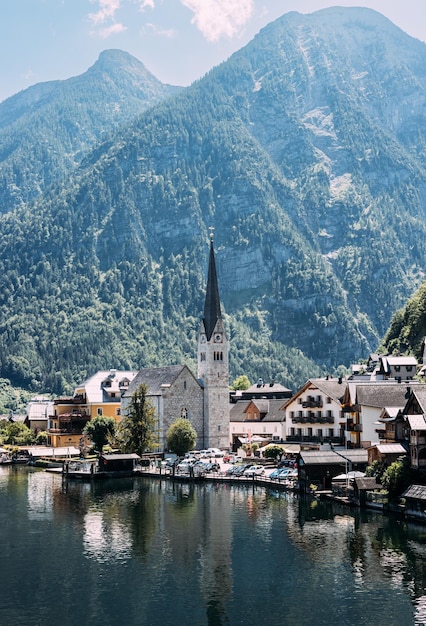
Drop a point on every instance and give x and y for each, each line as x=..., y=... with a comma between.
x=259, y=420
x=99, y=395
x=415, y=415
x=363, y=405
x=313, y=413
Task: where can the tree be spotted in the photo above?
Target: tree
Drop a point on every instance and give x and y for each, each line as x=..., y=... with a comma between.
x=137, y=432
x=181, y=437
x=99, y=430
x=397, y=477
x=16, y=433
x=273, y=452
x=241, y=383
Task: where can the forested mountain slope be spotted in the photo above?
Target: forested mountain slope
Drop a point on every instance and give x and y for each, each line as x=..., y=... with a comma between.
x=305, y=151
x=46, y=130
x=407, y=330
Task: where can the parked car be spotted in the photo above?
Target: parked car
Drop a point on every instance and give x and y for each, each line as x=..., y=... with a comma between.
x=185, y=466
x=240, y=469
x=212, y=467
x=254, y=470
x=215, y=452
x=287, y=463
x=280, y=472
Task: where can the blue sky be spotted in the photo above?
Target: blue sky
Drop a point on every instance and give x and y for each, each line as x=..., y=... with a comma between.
x=177, y=40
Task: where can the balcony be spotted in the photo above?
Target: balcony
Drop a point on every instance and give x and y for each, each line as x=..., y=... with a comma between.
x=312, y=404
x=314, y=419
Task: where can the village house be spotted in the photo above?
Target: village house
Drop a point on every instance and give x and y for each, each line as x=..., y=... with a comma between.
x=259, y=421
x=313, y=413
x=399, y=368
x=415, y=413
x=363, y=405
x=99, y=395
x=39, y=409
x=385, y=453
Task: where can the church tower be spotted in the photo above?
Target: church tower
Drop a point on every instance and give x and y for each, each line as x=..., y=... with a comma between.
x=213, y=364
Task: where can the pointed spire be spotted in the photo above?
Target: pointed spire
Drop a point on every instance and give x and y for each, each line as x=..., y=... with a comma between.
x=212, y=310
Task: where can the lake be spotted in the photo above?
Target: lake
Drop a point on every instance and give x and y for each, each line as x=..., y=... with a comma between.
x=142, y=552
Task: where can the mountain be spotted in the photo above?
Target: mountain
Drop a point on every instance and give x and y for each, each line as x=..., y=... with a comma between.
x=305, y=151
x=407, y=330
x=46, y=130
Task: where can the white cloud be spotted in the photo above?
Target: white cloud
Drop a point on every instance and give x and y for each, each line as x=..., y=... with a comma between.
x=147, y=4
x=104, y=33
x=220, y=18
x=169, y=33
x=107, y=9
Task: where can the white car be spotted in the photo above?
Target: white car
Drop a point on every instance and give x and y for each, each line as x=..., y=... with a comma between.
x=255, y=470
x=214, y=452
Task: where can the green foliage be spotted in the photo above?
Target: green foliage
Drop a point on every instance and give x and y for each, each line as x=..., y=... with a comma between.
x=41, y=438
x=181, y=437
x=376, y=470
x=100, y=430
x=137, y=431
x=16, y=433
x=397, y=477
x=273, y=452
x=407, y=329
x=241, y=382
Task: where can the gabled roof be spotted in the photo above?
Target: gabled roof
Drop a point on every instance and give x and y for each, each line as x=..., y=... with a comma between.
x=418, y=492
x=379, y=394
x=269, y=408
x=321, y=457
x=367, y=483
x=419, y=391
x=417, y=422
x=157, y=378
x=390, y=448
x=356, y=455
x=95, y=388
x=332, y=387
x=267, y=389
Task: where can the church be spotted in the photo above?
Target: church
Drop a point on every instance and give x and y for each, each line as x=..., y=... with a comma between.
x=175, y=392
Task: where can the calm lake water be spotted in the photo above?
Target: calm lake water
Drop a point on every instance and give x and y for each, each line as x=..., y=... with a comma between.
x=141, y=552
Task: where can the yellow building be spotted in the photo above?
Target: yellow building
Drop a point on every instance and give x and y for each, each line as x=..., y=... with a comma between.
x=100, y=395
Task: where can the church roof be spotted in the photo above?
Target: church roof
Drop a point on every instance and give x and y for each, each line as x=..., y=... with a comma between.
x=212, y=311
x=156, y=378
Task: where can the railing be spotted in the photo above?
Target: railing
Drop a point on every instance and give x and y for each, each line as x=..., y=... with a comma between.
x=314, y=419
x=312, y=439
x=65, y=431
x=312, y=404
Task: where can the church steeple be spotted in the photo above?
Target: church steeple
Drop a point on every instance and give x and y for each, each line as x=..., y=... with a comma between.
x=213, y=363
x=212, y=310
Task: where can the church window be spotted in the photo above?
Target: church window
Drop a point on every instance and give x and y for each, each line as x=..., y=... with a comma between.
x=203, y=356
x=184, y=413
x=184, y=384
x=218, y=427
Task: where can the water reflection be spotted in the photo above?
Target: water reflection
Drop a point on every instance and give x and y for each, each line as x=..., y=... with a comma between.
x=158, y=553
